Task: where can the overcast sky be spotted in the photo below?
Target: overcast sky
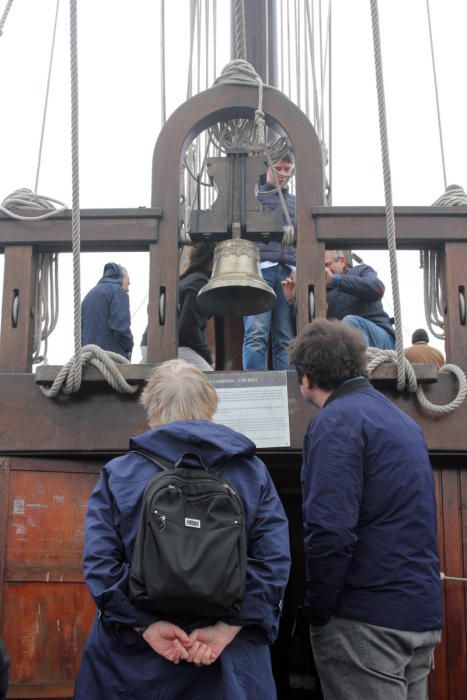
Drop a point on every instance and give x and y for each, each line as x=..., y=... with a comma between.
x=119, y=74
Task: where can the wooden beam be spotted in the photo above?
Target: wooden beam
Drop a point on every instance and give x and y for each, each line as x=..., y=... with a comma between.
x=101, y=230
x=97, y=420
x=365, y=227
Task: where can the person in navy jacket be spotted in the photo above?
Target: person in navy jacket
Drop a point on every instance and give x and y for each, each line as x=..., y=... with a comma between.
x=105, y=312
x=373, y=579
x=131, y=653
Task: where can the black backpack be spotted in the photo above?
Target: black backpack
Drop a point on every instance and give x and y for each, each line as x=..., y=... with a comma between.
x=190, y=551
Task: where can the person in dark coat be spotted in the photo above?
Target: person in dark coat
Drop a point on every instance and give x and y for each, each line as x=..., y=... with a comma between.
x=353, y=296
x=277, y=262
x=373, y=594
x=192, y=341
x=105, y=312
x=131, y=653
x=4, y=666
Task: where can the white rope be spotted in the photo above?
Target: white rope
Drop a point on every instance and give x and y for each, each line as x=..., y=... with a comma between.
x=377, y=357
x=107, y=364
x=26, y=199
x=162, y=58
x=46, y=100
x=46, y=304
x=239, y=28
x=452, y=578
x=435, y=82
x=390, y=222
x=4, y=16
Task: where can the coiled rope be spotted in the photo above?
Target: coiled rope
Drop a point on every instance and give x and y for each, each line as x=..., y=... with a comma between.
x=106, y=362
x=378, y=357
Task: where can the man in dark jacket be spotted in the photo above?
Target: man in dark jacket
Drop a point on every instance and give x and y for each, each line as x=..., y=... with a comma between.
x=277, y=263
x=373, y=579
x=105, y=312
x=354, y=296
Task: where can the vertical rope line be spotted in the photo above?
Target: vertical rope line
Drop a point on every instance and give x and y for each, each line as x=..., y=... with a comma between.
x=390, y=222
x=46, y=100
x=5, y=15
x=75, y=213
x=198, y=49
x=162, y=58
x=240, y=34
x=282, y=87
x=189, y=89
x=324, y=63
x=206, y=44
x=435, y=81
x=214, y=41
x=307, y=58
x=297, y=52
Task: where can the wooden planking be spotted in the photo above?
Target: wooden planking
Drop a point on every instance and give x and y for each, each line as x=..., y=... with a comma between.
x=455, y=620
x=46, y=525
x=40, y=691
x=4, y=484
x=45, y=627
x=99, y=420
x=438, y=681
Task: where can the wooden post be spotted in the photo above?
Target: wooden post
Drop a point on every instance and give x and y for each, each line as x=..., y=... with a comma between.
x=17, y=313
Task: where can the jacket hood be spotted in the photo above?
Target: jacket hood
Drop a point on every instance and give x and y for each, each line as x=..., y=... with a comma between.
x=112, y=273
x=214, y=443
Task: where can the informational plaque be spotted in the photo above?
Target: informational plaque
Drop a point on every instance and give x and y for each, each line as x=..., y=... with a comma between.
x=255, y=404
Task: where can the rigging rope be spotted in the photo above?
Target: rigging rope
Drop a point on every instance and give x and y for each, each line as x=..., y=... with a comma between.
x=4, y=16
x=390, y=222
x=46, y=306
x=239, y=28
x=435, y=82
x=69, y=377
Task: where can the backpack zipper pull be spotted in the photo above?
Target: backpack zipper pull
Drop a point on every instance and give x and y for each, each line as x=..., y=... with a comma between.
x=161, y=519
x=229, y=489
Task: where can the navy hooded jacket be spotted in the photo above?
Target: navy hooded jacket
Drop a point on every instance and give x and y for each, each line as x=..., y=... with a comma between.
x=370, y=514
x=110, y=532
x=274, y=251
x=358, y=292
x=105, y=314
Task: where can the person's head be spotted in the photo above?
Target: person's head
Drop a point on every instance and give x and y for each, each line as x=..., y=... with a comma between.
x=114, y=271
x=177, y=390
x=334, y=260
x=420, y=336
x=282, y=169
x=200, y=258
x=326, y=354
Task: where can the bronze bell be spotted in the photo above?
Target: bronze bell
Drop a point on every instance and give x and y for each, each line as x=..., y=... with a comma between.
x=236, y=287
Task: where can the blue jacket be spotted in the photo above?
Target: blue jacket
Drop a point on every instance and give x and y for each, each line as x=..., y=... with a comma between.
x=358, y=292
x=275, y=251
x=122, y=660
x=105, y=316
x=370, y=514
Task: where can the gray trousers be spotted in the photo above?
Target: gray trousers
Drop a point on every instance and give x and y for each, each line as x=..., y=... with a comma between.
x=356, y=661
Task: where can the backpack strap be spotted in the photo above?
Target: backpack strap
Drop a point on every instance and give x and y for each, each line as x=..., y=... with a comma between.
x=164, y=464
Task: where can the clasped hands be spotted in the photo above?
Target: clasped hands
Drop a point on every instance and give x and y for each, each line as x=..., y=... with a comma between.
x=202, y=647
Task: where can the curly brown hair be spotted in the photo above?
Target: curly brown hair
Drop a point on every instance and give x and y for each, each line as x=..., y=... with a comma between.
x=328, y=353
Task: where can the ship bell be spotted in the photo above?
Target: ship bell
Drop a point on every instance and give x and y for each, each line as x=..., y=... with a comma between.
x=236, y=287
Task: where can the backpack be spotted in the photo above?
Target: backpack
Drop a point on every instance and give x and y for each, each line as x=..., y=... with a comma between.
x=190, y=551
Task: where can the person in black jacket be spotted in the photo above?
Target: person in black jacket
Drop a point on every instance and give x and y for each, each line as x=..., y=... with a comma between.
x=4, y=666
x=192, y=340
x=105, y=312
x=354, y=296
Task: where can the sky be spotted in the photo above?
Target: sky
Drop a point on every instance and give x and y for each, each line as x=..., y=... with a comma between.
x=120, y=118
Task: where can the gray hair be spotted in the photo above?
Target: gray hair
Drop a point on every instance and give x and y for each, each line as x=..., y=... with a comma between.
x=177, y=390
